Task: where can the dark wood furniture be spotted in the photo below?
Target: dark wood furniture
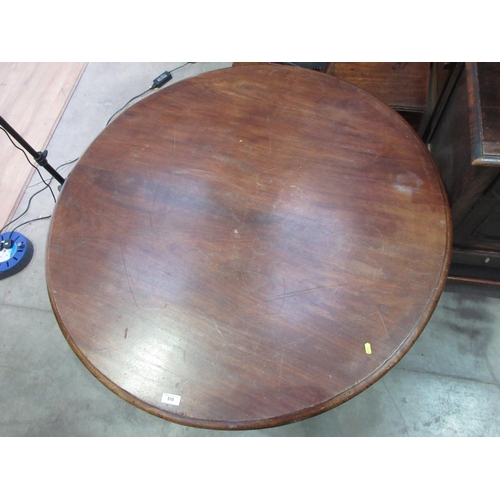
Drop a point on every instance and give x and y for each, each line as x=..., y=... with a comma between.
x=402, y=85
x=464, y=138
x=248, y=247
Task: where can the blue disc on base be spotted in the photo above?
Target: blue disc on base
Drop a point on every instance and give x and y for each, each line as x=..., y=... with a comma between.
x=16, y=252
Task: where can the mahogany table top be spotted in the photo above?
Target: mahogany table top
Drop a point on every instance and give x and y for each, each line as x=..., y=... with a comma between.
x=248, y=247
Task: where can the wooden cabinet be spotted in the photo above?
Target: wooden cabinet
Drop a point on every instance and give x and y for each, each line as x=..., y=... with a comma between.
x=402, y=85
x=464, y=138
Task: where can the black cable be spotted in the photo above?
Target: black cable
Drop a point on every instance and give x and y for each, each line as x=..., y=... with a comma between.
x=27, y=208
x=47, y=184
x=29, y=161
x=59, y=167
x=16, y=146
x=29, y=203
x=33, y=195
x=133, y=99
x=27, y=222
x=179, y=67
x=67, y=163
x=153, y=86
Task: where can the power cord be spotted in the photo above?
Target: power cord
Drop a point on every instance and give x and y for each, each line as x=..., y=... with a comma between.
x=58, y=168
x=158, y=82
x=24, y=213
x=12, y=231
x=133, y=99
x=32, y=164
x=47, y=185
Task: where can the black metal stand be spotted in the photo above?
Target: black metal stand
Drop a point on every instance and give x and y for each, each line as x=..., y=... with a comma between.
x=40, y=157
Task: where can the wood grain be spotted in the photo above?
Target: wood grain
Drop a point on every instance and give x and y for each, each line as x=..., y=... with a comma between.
x=489, y=96
x=404, y=86
x=484, y=111
x=238, y=237
x=32, y=99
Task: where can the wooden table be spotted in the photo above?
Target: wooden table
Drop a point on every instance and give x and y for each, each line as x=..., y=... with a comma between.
x=248, y=247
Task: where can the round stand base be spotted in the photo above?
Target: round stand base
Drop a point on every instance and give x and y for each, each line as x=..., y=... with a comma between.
x=16, y=252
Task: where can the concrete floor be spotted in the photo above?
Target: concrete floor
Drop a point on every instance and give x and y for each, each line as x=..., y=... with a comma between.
x=447, y=385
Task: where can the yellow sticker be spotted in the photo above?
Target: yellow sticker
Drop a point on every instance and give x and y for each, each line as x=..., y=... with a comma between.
x=368, y=348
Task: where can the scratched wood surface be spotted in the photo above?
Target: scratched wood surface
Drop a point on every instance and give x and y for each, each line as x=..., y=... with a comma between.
x=238, y=238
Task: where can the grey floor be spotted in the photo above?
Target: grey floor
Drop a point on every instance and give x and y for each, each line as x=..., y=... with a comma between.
x=447, y=385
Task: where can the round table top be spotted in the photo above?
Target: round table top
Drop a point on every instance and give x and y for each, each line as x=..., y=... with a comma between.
x=248, y=247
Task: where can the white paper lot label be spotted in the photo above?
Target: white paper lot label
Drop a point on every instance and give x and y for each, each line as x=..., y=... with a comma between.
x=170, y=399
